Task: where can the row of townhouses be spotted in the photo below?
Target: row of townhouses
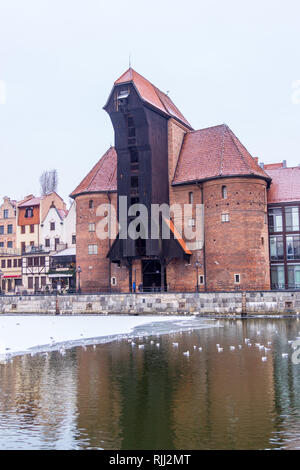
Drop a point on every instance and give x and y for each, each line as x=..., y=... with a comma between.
x=37, y=245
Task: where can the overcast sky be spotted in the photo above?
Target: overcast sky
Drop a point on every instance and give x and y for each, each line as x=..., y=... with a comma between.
x=232, y=62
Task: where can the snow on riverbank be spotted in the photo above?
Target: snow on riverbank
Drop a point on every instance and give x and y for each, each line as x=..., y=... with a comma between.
x=22, y=333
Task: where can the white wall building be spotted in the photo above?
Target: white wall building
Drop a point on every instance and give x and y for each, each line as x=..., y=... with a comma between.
x=58, y=229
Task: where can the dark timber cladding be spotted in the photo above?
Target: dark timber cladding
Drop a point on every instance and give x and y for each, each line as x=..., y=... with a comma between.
x=142, y=168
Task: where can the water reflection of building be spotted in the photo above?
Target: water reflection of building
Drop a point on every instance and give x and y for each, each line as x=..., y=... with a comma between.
x=38, y=395
x=99, y=403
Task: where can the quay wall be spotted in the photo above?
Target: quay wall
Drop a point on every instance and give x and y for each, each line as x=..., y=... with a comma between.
x=206, y=303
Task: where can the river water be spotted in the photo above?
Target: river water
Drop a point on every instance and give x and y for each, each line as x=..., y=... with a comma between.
x=117, y=395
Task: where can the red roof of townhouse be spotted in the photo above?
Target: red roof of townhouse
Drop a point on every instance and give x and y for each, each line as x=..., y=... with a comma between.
x=62, y=213
x=285, y=186
x=214, y=152
x=102, y=177
x=33, y=201
x=152, y=95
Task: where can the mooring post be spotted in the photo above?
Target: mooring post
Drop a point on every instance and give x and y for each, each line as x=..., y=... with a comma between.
x=56, y=306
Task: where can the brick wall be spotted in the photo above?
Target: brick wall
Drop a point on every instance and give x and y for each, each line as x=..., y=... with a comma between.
x=239, y=246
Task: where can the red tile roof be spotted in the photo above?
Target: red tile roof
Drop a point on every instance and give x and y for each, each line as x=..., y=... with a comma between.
x=285, y=186
x=34, y=201
x=214, y=152
x=102, y=177
x=62, y=213
x=152, y=95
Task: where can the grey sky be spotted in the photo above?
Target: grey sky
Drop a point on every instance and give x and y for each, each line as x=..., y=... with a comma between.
x=232, y=62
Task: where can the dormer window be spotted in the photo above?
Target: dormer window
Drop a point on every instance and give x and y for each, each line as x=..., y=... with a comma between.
x=29, y=212
x=122, y=100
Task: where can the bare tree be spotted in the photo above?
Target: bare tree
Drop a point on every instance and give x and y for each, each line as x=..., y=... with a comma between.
x=48, y=181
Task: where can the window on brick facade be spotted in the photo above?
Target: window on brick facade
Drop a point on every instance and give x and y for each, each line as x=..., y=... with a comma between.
x=15, y=263
x=23, y=247
x=9, y=244
x=3, y=263
x=10, y=229
x=42, y=261
x=1, y=229
x=113, y=281
x=23, y=229
x=92, y=249
x=92, y=227
x=225, y=218
x=9, y=263
x=191, y=197
x=91, y=203
x=47, y=242
x=237, y=278
x=31, y=228
x=19, y=262
x=5, y=214
x=201, y=279
x=29, y=262
x=30, y=283
x=73, y=239
x=1, y=244
x=224, y=192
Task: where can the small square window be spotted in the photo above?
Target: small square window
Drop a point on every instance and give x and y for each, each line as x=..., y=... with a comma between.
x=92, y=249
x=225, y=217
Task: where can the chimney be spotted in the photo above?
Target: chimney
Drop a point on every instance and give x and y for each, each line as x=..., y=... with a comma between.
x=284, y=164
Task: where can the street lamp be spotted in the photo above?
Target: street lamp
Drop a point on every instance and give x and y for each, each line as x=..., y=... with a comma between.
x=1, y=274
x=79, y=270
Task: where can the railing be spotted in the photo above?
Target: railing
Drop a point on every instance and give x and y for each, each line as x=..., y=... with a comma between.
x=10, y=251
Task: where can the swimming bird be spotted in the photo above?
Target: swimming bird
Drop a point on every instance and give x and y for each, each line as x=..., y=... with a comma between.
x=141, y=346
x=175, y=345
x=186, y=353
x=200, y=349
x=157, y=345
x=264, y=358
x=220, y=349
x=232, y=348
x=284, y=354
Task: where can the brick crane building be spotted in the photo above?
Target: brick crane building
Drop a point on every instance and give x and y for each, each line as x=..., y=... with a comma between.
x=158, y=158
